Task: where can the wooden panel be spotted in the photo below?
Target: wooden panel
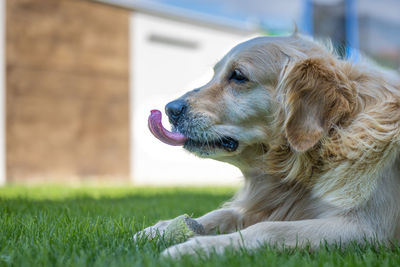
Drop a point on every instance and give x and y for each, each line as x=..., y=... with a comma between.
x=67, y=91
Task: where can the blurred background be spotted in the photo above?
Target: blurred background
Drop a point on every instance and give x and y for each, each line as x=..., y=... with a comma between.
x=78, y=78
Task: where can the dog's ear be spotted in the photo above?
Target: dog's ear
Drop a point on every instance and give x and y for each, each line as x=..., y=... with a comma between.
x=317, y=96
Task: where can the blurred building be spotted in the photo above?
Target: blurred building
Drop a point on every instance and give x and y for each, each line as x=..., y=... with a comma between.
x=67, y=91
x=80, y=78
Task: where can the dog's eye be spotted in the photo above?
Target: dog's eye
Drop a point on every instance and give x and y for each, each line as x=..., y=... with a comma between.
x=238, y=76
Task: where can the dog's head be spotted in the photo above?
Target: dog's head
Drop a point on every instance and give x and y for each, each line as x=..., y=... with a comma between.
x=263, y=91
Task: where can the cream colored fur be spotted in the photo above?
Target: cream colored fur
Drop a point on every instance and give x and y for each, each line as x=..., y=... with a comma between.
x=318, y=147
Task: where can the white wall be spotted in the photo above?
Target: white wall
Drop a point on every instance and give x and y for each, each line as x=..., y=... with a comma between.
x=2, y=93
x=160, y=73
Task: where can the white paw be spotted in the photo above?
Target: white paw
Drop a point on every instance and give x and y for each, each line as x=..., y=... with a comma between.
x=202, y=245
x=187, y=248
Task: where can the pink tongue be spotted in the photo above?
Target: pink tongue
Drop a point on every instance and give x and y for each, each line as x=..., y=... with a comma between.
x=157, y=129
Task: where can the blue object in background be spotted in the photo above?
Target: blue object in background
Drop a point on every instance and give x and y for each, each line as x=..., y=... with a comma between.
x=351, y=26
x=308, y=17
x=352, y=43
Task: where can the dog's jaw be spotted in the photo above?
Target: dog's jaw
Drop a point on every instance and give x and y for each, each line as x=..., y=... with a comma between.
x=212, y=147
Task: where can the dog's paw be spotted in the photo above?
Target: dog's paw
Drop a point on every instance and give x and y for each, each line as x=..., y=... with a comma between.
x=176, y=251
x=197, y=246
x=152, y=232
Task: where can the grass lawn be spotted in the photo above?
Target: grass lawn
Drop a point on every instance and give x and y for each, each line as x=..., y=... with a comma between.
x=92, y=226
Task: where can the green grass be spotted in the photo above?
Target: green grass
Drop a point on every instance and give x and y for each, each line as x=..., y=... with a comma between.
x=91, y=226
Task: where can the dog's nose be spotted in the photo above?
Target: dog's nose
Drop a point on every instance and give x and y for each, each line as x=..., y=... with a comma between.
x=175, y=110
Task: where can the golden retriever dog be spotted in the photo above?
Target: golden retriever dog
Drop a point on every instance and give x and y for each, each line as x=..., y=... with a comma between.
x=316, y=138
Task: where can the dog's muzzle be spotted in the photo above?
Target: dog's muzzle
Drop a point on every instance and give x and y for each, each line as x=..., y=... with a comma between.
x=227, y=143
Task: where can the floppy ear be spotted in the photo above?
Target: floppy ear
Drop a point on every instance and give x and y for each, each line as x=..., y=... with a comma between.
x=317, y=96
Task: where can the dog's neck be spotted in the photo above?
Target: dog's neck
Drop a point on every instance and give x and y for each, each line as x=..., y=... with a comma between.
x=249, y=161
x=333, y=172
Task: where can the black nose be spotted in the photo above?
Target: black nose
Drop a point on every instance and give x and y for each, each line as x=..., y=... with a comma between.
x=175, y=110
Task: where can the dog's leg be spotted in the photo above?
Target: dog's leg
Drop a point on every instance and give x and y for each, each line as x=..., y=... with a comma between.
x=217, y=221
x=289, y=234
x=223, y=221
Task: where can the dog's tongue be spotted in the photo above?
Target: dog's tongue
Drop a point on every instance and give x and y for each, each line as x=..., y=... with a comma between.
x=157, y=129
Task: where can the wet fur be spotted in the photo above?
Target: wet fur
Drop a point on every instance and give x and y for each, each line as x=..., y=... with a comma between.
x=319, y=148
